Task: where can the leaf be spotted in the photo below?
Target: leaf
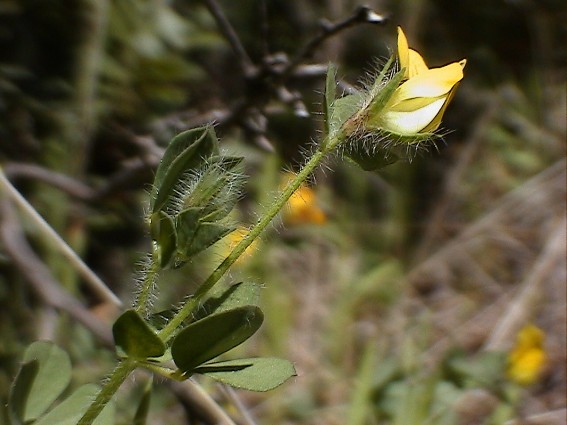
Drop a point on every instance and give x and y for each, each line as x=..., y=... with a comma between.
x=361, y=393
x=205, y=236
x=342, y=110
x=253, y=374
x=53, y=376
x=238, y=295
x=214, y=335
x=70, y=410
x=229, y=180
x=167, y=239
x=20, y=390
x=383, y=95
x=486, y=369
x=380, y=79
x=186, y=151
x=186, y=225
x=194, y=234
x=135, y=337
x=141, y=416
x=330, y=95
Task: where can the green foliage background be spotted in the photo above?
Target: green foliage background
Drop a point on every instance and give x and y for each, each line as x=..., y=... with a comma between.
x=416, y=266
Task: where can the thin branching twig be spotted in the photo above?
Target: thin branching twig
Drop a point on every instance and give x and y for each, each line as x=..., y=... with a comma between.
x=101, y=289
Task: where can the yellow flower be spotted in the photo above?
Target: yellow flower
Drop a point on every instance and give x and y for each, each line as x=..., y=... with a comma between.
x=302, y=207
x=418, y=104
x=232, y=240
x=527, y=359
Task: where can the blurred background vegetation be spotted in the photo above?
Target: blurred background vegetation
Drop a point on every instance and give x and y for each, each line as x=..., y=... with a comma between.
x=397, y=294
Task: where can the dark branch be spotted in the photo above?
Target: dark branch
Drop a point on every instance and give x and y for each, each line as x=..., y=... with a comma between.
x=231, y=36
x=362, y=15
x=68, y=185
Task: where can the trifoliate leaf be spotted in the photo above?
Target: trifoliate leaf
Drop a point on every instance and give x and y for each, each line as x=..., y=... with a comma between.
x=135, y=337
x=187, y=151
x=70, y=410
x=20, y=390
x=342, y=110
x=214, y=335
x=238, y=295
x=53, y=374
x=167, y=239
x=253, y=374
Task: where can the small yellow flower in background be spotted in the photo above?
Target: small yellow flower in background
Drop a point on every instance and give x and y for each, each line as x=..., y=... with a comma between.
x=302, y=207
x=233, y=239
x=418, y=104
x=527, y=359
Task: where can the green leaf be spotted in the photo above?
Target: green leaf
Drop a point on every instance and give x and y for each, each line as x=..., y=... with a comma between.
x=53, y=376
x=141, y=416
x=186, y=225
x=70, y=410
x=206, y=235
x=214, y=335
x=380, y=80
x=486, y=369
x=167, y=239
x=361, y=393
x=330, y=95
x=217, y=188
x=186, y=151
x=381, y=98
x=194, y=234
x=342, y=110
x=226, y=186
x=238, y=295
x=135, y=337
x=253, y=374
x=20, y=390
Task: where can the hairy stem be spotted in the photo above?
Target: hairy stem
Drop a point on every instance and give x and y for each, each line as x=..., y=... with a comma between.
x=143, y=300
x=114, y=382
x=170, y=330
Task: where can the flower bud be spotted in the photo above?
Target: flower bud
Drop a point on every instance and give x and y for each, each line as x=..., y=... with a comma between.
x=418, y=104
x=400, y=111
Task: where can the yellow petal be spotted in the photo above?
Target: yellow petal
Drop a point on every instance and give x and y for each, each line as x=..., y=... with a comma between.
x=302, y=208
x=431, y=83
x=527, y=367
x=227, y=245
x=412, y=122
x=410, y=61
x=416, y=64
x=530, y=336
x=403, y=52
x=436, y=122
x=413, y=104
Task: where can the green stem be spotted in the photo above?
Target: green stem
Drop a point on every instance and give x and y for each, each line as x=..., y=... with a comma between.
x=168, y=331
x=142, y=303
x=114, y=382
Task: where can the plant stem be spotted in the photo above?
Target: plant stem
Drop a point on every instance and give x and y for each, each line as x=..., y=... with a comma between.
x=114, y=382
x=142, y=303
x=170, y=329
